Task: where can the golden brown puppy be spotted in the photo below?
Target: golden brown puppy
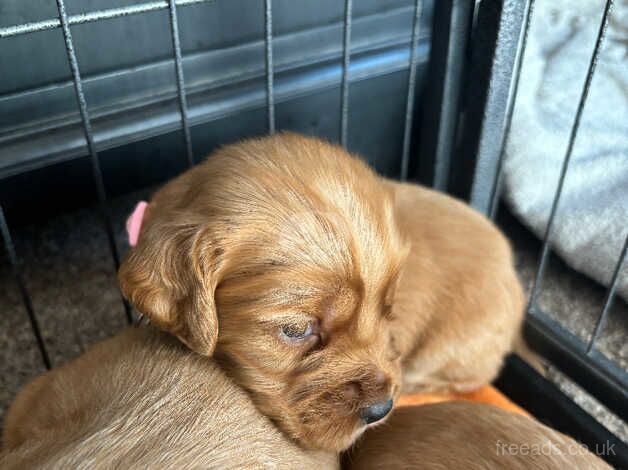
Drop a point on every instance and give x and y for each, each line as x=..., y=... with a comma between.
x=143, y=400
x=459, y=304
x=468, y=436
x=281, y=255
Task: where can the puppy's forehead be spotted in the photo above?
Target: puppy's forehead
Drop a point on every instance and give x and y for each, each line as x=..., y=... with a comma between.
x=305, y=204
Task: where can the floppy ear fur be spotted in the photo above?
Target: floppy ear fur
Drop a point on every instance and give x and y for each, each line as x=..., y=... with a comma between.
x=171, y=276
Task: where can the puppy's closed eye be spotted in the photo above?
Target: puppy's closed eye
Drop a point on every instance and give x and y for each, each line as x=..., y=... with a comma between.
x=295, y=332
x=299, y=331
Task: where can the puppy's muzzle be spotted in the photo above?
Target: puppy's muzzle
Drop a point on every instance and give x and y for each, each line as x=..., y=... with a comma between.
x=376, y=411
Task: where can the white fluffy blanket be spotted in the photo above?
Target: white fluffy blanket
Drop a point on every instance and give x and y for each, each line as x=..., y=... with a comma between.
x=592, y=218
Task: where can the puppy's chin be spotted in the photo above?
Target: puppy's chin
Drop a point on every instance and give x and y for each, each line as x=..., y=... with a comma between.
x=335, y=436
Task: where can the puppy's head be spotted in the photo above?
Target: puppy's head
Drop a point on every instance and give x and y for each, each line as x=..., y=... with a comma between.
x=280, y=257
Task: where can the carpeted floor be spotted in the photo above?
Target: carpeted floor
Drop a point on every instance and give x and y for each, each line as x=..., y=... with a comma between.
x=70, y=275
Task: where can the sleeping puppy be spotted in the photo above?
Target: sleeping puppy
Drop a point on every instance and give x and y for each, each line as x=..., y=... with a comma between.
x=470, y=436
x=281, y=257
x=143, y=400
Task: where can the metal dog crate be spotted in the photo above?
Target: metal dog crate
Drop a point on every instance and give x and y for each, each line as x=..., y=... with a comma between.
x=154, y=86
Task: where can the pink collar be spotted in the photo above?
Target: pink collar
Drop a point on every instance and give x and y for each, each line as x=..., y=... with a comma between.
x=134, y=222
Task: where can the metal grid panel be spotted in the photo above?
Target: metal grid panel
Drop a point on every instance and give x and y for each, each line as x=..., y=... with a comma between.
x=598, y=375
x=65, y=21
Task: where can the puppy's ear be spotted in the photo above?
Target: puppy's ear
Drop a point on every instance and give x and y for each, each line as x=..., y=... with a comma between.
x=171, y=276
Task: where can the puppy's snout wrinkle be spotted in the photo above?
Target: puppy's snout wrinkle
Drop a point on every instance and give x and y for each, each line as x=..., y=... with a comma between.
x=376, y=411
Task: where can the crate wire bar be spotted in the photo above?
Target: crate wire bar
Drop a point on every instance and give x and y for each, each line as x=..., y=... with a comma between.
x=346, y=57
x=407, y=128
x=178, y=66
x=496, y=44
x=442, y=91
x=26, y=298
x=268, y=42
x=87, y=130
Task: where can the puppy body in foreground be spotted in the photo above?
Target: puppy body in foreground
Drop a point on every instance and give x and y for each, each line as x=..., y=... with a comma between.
x=459, y=305
x=281, y=257
x=142, y=400
x=467, y=436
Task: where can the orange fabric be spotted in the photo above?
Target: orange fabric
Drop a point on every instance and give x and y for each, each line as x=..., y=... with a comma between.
x=487, y=394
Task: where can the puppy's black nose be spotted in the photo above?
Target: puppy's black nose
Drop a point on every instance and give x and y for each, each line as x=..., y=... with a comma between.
x=376, y=411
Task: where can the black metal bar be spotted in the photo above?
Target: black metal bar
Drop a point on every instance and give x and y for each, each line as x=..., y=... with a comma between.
x=452, y=19
x=87, y=130
x=346, y=57
x=270, y=89
x=550, y=405
x=496, y=43
x=608, y=301
x=598, y=375
x=538, y=280
x=92, y=16
x=178, y=65
x=407, y=130
x=26, y=298
x=499, y=178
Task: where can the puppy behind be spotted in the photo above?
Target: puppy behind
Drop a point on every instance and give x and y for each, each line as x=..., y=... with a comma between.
x=470, y=436
x=458, y=307
x=142, y=400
